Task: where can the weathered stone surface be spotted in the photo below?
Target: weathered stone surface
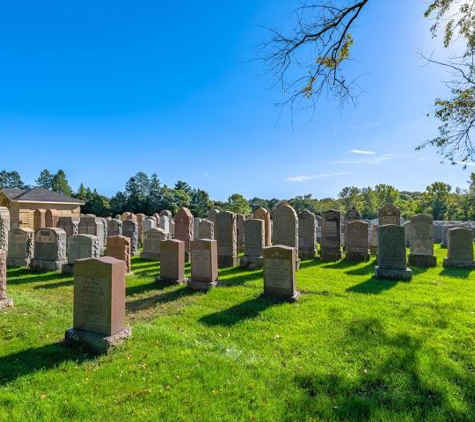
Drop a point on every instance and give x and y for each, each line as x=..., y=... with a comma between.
x=69, y=225
x=392, y=254
x=140, y=219
x=204, y=264
x=20, y=247
x=421, y=240
x=254, y=232
x=206, y=229
x=50, y=250
x=351, y=215
x=105, y=225
x=165, y=224
x=4, y=228
x=357, y=241
x=330, y=248
x=226, y=235
x=319, y=228
x=166, y=213
x=99, y=304
x=119, y=248
x=279, y=273
x=445, y=231
x=389, y=214
x=51, y=218
x=407, y=232
x=184, y=228
x=172, y=261
x=94, y=226
x=151, y=243
x=130, y=229
x=373, y=244
x=39, y=219
x=240, y=218
x=212, y=216
x=460, y=248
x=307, y=235
x=285, y=228
x=5, y=301
x=263, y=214
x=114, y=227
x=81, y=246
x=148, y=224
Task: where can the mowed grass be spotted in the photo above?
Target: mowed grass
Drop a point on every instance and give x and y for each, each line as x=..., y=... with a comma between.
x=352, y=348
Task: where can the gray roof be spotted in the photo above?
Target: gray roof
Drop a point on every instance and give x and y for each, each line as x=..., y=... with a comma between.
x=38, y=195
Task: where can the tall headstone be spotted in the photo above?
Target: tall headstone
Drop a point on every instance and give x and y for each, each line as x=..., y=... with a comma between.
x=165, y=224
x=389, y=214
x=39, y=219
x=114, y=227
x=307, y=235
x=50, y=250
x=119, y=247
x=240, y=218
x=422, y=241
x=20, y=247
x=254, y=232
x=286, y=228
x=4, y=228
x=392, y=254
x=51, y=218
x=5, y=301
x=350, y=215
x=319, y=228
x=212, y=215
x=226, y=235
x=407, y=232
x=357, y=244
x=69, y=225
x=445, y=233
x=184, y=229
x=105, y=225
x=148, y=224
x=130, y=229
x=81, y=246
x=196, y=228
x=263, y=214
x=206, y=229
x=204, y=264
x=94, y=226
x=140, y=218
x=330, y=248
x=172, y=229
x=99, y=304
x=151, y=244
x=166, y=213
x=172, y=261
x=279, y=273
x=156, y=217
x=460, y=248
x=373, y=243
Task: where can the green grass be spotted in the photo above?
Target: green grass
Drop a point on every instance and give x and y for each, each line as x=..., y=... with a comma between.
x=352, y=348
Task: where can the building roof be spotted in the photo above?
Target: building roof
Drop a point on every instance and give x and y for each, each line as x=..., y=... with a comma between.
x=40, y=195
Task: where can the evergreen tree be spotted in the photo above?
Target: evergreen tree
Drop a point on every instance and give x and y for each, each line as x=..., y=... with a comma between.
x=11, y=179
x=45, y=180
x=60, y=184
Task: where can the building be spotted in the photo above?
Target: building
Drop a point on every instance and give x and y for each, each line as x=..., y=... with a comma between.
x=38, y=207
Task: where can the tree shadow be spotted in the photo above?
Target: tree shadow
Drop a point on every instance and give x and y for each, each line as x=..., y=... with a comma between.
x=456, y=272
x=42, y=358
x=240, y=312
x=149, y=302
x=373, y=285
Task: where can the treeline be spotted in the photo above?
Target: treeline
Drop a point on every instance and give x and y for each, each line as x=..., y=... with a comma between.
x=146, y=194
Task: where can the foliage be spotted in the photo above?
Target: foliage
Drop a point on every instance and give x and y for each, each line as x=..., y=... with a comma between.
x=238, y=204
x=11, y=179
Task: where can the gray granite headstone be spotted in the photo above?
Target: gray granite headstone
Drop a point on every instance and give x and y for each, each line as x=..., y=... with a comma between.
x=421, y=241
x=20, y=247
x=392, y=254
x=460, y=248
x=50, y=250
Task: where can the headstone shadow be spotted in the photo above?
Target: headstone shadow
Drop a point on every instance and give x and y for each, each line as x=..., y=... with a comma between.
x=364, y=270
x=142, y=288
x=149, y=302
x=372, y=286
x=456, y=272
x=35, y=277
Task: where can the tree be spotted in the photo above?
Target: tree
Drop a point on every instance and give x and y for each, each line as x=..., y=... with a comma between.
x=238, y=204
x=136, y=190
x=436, y=199
x=96, y=204
x=173, y=199
x=200, y=204
x=45, y=180
x=185, y=187
x=351, y=197
x=118, y=203
x=60, y=183
x=154, y=197
x=11, y=179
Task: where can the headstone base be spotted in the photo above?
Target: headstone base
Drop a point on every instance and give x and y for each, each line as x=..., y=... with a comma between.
x=458, y=263
x=251, y=262
x=330, y=255
x=276, y=296
x=68, y=269
x=227, y=261
x=17, y=262
x=201, y=286
x=422, y=260
x=98, y=343
x=358, y=256
x=154, y=256
x=40, y=265
x=307, y=253
x=170, y=280
x=373, y=250
x=6, y=303
x=403, y=275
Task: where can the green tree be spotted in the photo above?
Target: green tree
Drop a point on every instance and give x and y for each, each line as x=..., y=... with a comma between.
x=11, y=179
x=118, y=203
x=185, y=187
x=351, y=197
x=154, y=197
x=238, y=204
x=200, y=204
x=45, y=180
x=60, y=184
x=173, y=199
x=256, y=203
x=436, y=198
x=137, y=189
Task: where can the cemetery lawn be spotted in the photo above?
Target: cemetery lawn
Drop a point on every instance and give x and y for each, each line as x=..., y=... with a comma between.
x=352, y=348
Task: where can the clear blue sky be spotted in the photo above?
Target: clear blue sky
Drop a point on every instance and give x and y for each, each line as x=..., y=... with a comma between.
x=103, y=89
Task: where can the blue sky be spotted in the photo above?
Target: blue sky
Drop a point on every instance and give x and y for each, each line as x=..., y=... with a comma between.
x=103, y=89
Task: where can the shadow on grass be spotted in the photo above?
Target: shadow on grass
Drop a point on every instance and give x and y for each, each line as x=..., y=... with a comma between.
x=240, y=278
x=456, y=272
x=340, y=265
x=365, y=270
x=25, y=276
x=149, y=302
x=142, y=288
x=246, y=310
x=42, y=358
x=392, y=383
x=311, y=263
x=373, y=286
x=55, y=285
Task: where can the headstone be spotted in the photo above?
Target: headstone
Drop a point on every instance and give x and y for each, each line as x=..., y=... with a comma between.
x=212, y=216
x=279, y=273
x=407, y=232
x=81, y=246
x=148, y=224
x=140, y=218
x=196, y=228
x=226, y=235
x=105, y=225
x=172, y=229
x=166, y=213
x=69, y=225
x=254, y=232
x=39, y=219
x=156, y=216
x=94, y=226
x=184, y=229
x=437, y=232
x=119, y=247
x=392, y=254
x=206, y=229
x=422, y=241
x=445, y=230
x=263, y=214
x=286, y=228
x=114, y=227
x=330, y=248
x=20, y=247
x=165, y=224
x=99, y=304
x=373, y=244
x=357, y=241
x=151, y=244
x=350, y=215
x=240, y=218
x=204, y=264
x=460, y=248
x=5, y=302
x=50, y=250
x=51, y=218
x=389, y=214
x=172, y=261
x=319, y=228
x=4, y=228
x=130, y=229
x=307, y=235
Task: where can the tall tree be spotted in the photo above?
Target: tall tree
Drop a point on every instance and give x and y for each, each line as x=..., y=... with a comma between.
x=45, y=180
x=238, y=204
x=60, y=183
x=11, y=179
x=200, y=204
x=154, y=197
